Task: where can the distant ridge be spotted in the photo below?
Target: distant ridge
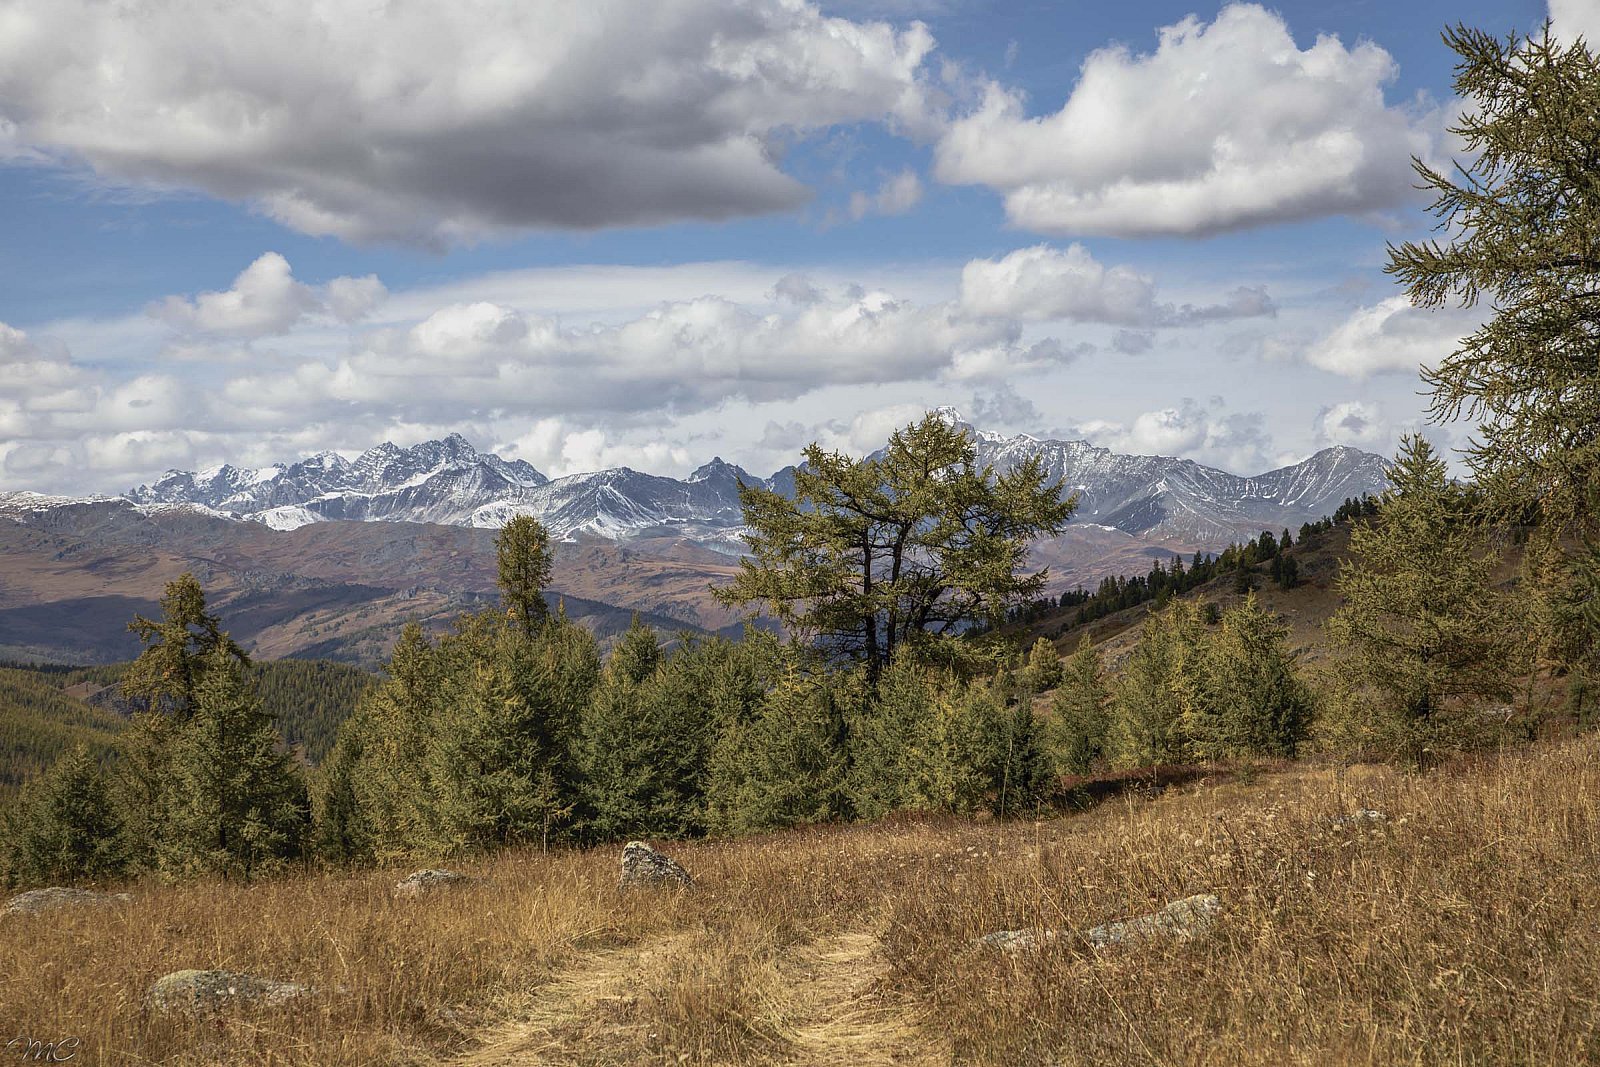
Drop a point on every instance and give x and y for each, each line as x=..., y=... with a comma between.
x=452, y=483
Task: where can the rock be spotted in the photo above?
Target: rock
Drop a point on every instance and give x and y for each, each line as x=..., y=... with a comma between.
x=1181, y=919
x=426, y=881
x=37, y=900
x=1019, y=940
x=644, y=867
x=196, y=992
x=1361, y=817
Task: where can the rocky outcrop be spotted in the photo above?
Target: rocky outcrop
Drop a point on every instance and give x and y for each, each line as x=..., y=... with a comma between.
x=419, y=883
x=37, y=900
x=199, y=992
x=645, y=868
x=1180, y=920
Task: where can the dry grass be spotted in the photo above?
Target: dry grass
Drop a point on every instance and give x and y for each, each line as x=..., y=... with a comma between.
x=1465, y=929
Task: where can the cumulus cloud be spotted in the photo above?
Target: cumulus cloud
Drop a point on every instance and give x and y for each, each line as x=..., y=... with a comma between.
x=441, y=123
x=1392, y=337
x=266, y=300
x=1045, y=283
x=1571, y=19
x=898, y=195
x=1235, y=441
x=684, y=356
x=1224, y=126
x=1361, y=424
x=1003, y=406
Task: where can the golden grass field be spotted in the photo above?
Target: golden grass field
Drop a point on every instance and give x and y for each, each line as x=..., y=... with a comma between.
x=1464, y=929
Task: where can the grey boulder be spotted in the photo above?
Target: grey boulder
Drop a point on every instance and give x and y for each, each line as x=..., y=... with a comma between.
x=1180, y=920
x=645, y=868
x=196, y=992
x=426, y=881
x=37, y=900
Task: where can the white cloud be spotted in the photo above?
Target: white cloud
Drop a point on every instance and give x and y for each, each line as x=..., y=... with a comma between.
x=1361, y=424
x=266, y=300
x=1224, y=126
x=1571, y=19
x=1232, y=441
x=1044, y=283
x=898, y=195
x=438, y=123
x=1392, y=337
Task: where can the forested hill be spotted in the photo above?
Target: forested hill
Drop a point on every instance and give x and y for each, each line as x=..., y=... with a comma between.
x=46, y=711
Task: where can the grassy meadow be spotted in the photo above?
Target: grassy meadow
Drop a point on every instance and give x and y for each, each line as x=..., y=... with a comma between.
x=1461, y=929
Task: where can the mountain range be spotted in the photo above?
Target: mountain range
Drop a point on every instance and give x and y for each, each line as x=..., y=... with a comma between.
x=293, y=575
x=451, y=483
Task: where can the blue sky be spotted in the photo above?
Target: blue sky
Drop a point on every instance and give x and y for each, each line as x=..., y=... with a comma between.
x=641, y=233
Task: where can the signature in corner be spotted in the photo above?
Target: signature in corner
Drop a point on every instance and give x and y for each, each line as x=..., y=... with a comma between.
x=32, y=1050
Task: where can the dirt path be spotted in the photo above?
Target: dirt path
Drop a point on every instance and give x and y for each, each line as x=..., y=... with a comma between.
x=826, y=1000
x=842, y=1013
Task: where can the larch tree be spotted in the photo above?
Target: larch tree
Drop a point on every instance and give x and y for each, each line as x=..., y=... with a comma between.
x=898, y=550
x=1523, y=219
x=237, y=802
x=1421, y=626
x=522, y=552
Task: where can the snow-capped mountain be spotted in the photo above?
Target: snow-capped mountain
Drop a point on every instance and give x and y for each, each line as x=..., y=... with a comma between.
x=451, y=483
x=1177, y=498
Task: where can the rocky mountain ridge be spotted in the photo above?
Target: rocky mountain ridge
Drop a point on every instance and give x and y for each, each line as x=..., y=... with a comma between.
x=451, y=483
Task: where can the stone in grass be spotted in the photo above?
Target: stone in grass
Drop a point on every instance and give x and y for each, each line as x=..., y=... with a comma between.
x=1020, y=940
x=419, y=882
x=197, y=992
x=37, y=900
x=645, y=868
x=1362, y=817
x=1182, y=919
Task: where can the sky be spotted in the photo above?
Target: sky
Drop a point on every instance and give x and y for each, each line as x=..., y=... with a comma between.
x=647, y=232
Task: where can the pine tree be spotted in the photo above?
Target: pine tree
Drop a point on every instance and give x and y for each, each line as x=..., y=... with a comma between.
x=1147, y=724
x=65, y=827
x=1043, y=669
x=1522, y=214
x=237, y=803
x=141, y=782
x=344, y=833
x=1244, y=696
x=1024, y=764
x=393, y=784
x=522, y=551
x=895, y=550
x=178, y=649
x=794, y=758
x=615, y=747
x=1421, y=629
x=892, y=743
x=1080, y=710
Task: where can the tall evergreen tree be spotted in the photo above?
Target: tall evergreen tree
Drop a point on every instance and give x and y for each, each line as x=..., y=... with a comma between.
x=1421, y=626
x=522, y=550
x=1244, y=696
x=1523, y=216
x=179, y=647
x=1080, y=712
x=394, y=785
x=1147, y=725
x=237, y=803
x=794, y=754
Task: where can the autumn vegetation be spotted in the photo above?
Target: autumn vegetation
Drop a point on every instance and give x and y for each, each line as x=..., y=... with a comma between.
x=1404, y=836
